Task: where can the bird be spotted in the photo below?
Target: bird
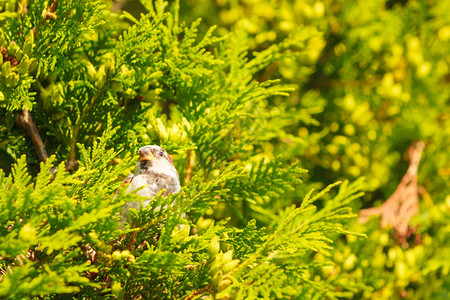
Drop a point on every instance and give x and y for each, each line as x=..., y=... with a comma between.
x=154, y=172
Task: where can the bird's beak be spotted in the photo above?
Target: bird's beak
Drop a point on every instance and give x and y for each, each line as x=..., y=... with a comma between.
x=145, y=155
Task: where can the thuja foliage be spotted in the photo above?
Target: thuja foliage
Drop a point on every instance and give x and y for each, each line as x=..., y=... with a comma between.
x=375, y=77
x=83, y=86
x=61, y=236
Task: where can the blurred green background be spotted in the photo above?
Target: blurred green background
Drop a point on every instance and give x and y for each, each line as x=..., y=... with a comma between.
x=374, y=77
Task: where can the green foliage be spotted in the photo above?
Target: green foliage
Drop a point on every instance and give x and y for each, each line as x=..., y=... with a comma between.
x=245, y=100
x=61, y=237
x=375, y=79
x=91, y=73
x=379, y=265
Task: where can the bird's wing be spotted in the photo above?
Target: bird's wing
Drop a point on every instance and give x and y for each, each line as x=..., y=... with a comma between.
x=150, y=188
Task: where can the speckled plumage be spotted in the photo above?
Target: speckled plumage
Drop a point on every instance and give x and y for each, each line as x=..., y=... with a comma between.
x=155, y=171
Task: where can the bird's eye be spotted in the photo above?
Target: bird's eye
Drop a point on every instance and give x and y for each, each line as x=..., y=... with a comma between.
x=161, y=153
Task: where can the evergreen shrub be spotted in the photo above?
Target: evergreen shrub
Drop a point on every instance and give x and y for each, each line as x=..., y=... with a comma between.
x=83, y=86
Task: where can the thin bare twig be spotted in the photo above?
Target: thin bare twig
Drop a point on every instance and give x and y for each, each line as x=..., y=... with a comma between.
x=198, y=292
x=26, y=122
x=190, y=165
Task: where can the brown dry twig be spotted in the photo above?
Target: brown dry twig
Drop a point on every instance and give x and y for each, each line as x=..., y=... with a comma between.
x=49, y=14
x=206, y=289
x=190, y=165
x=403, y=204
x=26, y=122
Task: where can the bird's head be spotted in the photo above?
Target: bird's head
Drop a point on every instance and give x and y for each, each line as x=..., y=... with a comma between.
x=153, y=158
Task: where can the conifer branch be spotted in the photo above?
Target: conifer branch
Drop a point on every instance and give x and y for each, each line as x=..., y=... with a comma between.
x=210, y=101
x=71, y=162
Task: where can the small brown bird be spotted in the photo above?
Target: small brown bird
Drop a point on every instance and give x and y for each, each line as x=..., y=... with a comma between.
x=155, y=171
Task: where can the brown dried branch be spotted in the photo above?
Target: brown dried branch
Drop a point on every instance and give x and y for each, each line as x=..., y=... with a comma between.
x=269, y=71
x=49, y=14
x=403, y=203
x=189, y=165
x=26, y=122
x=206, y=289
x=132, y=238
x=71, y=163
